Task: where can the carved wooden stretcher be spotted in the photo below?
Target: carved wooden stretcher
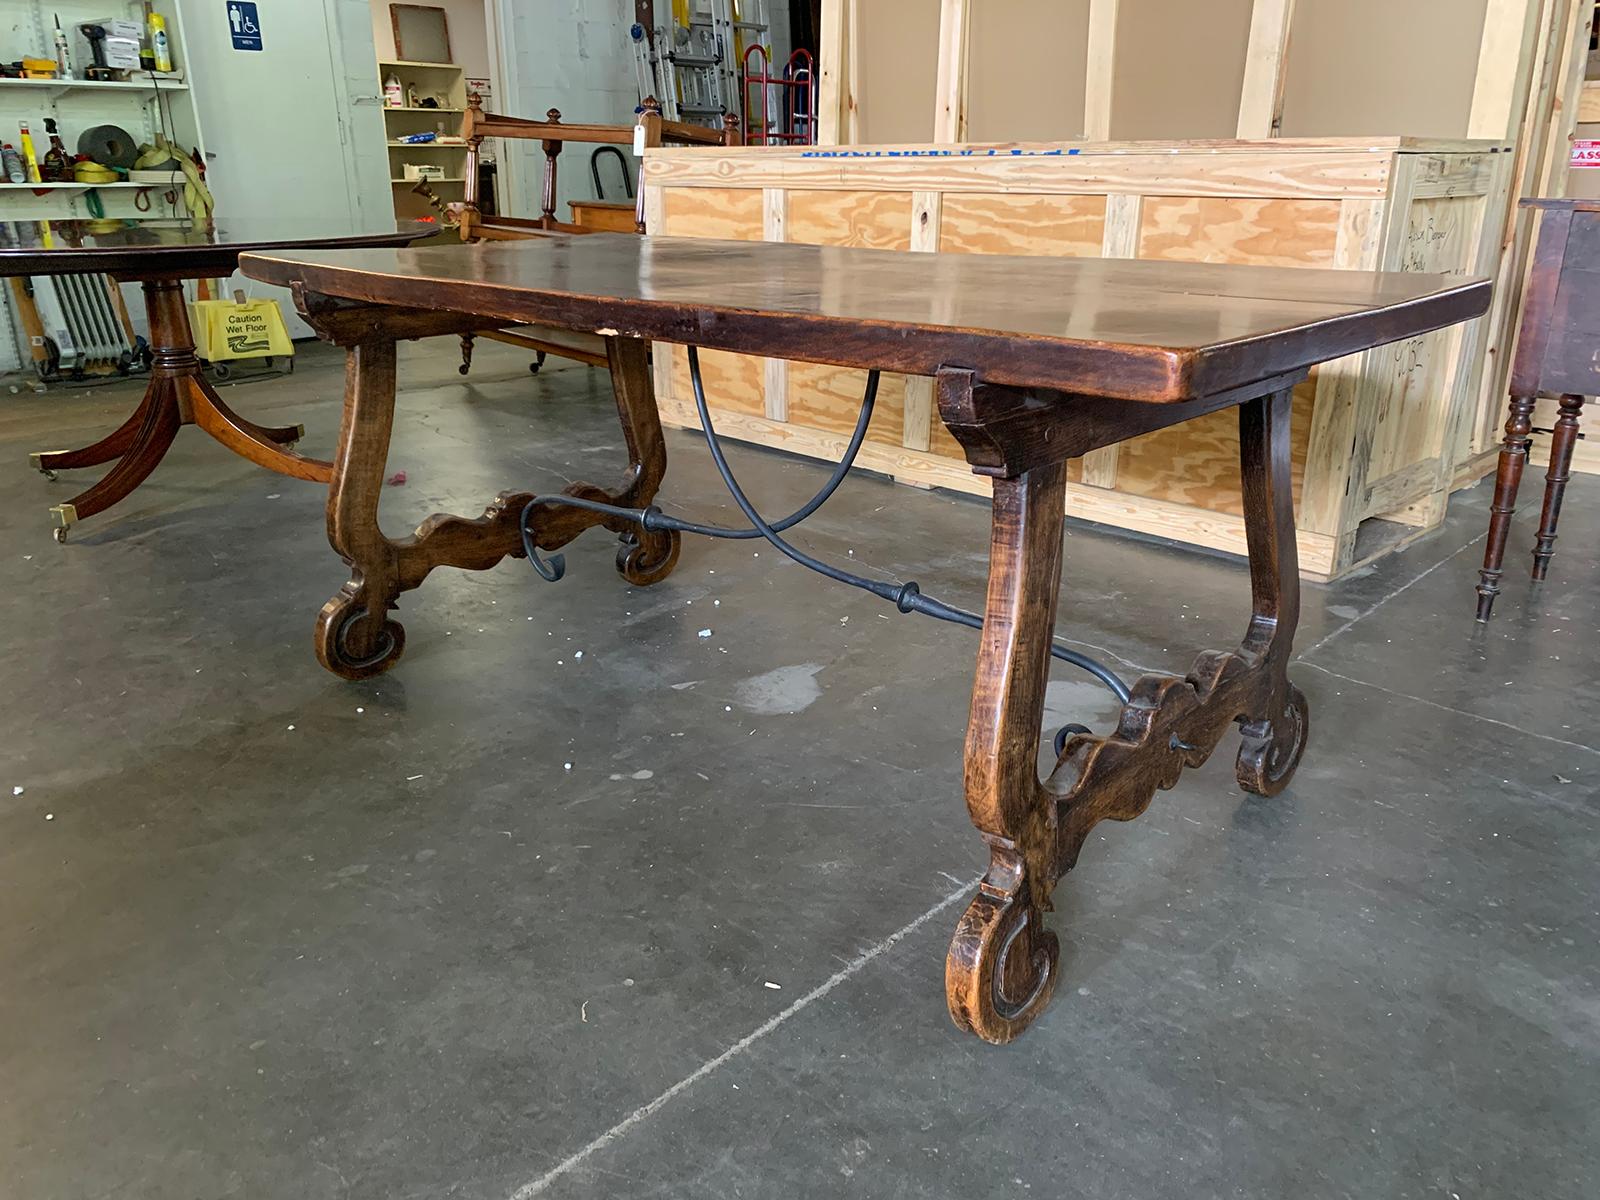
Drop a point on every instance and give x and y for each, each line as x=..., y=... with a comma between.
x=1038, y=361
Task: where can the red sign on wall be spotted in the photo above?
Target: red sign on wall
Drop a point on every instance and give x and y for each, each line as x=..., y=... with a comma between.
x=1586, y=153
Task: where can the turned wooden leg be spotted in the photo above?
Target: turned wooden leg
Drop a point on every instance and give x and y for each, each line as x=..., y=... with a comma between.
x=467, y=339
x=1003, y=963
x=1562, y=442
x=1001, y=970
x=1513, y=457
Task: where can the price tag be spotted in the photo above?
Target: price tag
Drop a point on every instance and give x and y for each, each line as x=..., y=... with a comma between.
x=638, y=141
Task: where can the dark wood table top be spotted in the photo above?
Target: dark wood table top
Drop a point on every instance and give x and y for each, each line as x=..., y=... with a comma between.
x=1138, y=330
x=172, y=246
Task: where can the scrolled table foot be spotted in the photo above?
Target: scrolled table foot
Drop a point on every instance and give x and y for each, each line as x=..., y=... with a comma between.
x=1003, y=963
x=648, y=557
x=1272, y=747
x=355, y=643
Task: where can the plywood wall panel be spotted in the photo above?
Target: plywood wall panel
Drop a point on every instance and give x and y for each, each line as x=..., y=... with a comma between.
x=1277, y=233
x=876, y=220
x=829, y=399
x=1408, y=425
x=734, y=382
x=1198, y=462
x=994, y=223
x=734, y=213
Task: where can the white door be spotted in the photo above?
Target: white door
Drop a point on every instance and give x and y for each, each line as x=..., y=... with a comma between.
x=294, y=131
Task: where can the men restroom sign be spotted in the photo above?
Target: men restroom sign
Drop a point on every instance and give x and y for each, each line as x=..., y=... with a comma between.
x=244, y=25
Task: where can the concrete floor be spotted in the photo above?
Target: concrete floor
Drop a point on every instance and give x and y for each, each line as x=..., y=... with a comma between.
x=669, y=919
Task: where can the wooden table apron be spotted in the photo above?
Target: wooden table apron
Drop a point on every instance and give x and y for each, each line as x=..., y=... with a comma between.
x=1002, y=966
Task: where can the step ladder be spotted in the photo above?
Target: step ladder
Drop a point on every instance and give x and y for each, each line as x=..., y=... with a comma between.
x=691, y=62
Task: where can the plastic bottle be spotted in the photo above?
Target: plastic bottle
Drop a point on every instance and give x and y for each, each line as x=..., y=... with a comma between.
x=392, y=95
x=57, y=166
x=12, y=162
x=159, y=48
x=30, y=162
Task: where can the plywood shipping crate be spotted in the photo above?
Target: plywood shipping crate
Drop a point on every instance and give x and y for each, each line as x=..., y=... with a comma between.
x=1376, y=437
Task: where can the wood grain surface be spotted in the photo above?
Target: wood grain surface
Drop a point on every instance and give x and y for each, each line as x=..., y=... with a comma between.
x=1149, y=331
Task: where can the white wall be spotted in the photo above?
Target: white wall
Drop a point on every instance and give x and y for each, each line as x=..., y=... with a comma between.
x=293, y=132
x=573, y=55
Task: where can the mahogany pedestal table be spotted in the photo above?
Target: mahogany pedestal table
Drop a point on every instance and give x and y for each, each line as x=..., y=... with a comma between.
x=1037, y=361
x=160, y=254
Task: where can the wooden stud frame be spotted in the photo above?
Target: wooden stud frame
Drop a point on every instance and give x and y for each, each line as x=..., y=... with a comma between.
x=1527, y=95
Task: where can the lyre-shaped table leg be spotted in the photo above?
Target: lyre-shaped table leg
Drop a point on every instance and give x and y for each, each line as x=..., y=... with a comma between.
x=356, y=637
x=1003, y=964
x=1001, y=970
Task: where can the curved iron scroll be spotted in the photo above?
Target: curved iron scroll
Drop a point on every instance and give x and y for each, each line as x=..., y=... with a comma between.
x=908, y=597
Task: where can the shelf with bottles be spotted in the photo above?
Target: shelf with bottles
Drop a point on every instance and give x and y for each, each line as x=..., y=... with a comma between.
x=405, y=85
x=143, y=102
x=154, y=83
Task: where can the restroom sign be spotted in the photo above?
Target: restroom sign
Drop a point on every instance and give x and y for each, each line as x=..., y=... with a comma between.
x=244, y=25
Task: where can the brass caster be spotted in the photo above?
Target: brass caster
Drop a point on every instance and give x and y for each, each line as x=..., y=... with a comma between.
x=65, y=516
x=38, y=464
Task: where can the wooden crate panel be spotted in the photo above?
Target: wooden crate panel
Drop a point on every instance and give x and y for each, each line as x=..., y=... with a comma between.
x=978, y=223
x=942, y=444
x=734, y=382
x=1269, y=233
x=829, y=399
x=876, y=220
x=733, y=213
x=1197, y=463
x=1408, y=427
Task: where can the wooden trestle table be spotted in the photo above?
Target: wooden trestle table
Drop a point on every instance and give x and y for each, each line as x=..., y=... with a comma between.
x=1037, y=361
x=159, y=254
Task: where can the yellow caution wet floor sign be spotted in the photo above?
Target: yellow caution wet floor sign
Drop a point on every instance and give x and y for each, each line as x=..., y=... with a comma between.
x=227, y=329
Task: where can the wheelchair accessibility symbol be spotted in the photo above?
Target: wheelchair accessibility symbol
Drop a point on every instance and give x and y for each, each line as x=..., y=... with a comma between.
x=244, y=25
